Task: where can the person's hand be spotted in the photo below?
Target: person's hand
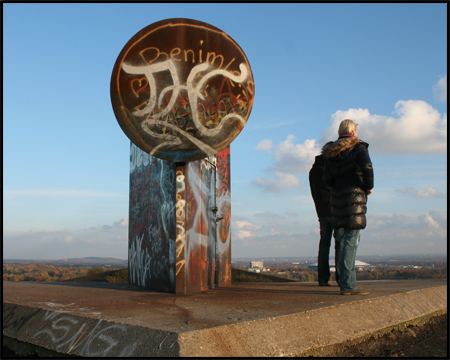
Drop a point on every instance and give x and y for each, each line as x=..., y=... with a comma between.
x=369, y=191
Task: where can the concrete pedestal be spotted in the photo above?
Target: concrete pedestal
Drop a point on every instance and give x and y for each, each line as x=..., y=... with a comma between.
x=179, y=223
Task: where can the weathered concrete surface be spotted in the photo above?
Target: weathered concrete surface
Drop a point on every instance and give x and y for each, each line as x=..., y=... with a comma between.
x=268, y=319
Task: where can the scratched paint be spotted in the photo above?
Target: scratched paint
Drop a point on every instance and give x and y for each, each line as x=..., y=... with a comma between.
x=182, y=90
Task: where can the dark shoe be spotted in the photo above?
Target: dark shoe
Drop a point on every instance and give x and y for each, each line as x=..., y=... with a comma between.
x=354, y=292
x=325, y=284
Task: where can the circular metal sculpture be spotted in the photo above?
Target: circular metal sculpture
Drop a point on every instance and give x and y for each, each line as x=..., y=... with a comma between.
x=182, y=90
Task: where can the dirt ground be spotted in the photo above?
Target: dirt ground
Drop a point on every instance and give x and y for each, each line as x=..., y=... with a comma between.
x=427, y=338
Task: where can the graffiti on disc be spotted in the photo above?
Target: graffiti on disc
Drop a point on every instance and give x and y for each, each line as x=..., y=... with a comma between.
x=182, y=90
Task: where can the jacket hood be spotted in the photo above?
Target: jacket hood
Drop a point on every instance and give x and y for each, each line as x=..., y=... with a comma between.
x=334, y=148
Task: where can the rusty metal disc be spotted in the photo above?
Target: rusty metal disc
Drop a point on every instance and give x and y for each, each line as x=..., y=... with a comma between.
x=182, y=89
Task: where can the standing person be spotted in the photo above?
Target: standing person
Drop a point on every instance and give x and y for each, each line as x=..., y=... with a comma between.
x=321, y=195
x=349, y=172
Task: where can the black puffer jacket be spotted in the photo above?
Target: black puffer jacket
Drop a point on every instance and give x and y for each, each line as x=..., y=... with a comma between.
x=348, y=170
x=319, y=190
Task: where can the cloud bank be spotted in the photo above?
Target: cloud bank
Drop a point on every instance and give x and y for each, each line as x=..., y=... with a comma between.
x=384, y=234
x=109, y=240
x=418, y=128
x=430, y=192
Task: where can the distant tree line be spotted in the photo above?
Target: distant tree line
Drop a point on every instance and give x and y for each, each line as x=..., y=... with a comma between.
x=384, y=273
x=305, y=274
x=45, y=272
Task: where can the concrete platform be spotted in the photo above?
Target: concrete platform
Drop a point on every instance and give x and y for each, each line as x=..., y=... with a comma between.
x=252, y=319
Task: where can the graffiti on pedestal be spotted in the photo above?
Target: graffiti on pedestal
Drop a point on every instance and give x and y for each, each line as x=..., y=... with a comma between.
x=199, y=220
x=182, y=90
x=223, y=204
x=203, y=214
x=180, y=245
x=151, y=255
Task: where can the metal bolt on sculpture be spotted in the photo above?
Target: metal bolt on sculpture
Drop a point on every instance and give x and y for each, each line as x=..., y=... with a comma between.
x=181, y=90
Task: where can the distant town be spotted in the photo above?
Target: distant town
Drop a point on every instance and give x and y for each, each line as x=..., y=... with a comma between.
x=368, y=267
x=376, y=260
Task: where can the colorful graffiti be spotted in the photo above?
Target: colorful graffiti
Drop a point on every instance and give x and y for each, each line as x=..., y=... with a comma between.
x=151, y=241
x=179, y=230
x=224, y=211
x=203, y=198
x=182, y=90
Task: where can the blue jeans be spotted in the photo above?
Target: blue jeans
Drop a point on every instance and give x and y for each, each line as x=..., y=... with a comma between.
x=346, y=252
x=323, y=267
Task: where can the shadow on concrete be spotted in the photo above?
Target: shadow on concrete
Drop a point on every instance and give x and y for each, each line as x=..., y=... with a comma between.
x=99, y=285
x=260, y=289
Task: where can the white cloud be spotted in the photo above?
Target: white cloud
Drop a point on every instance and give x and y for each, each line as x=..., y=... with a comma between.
x=287, y=180
x=117, y=224
x=282, y=182
x=245, y=229
x=264, y=145
x=243, y=234
x=429, y=192
x=290, y=157
x=418, y=128
x=121, y=223
x=440, y=89
x=246, y=225
x=293, y=158
x=431, y=222
x=276, y=243
x=407, y=232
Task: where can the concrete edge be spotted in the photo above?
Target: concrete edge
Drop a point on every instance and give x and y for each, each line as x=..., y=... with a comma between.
x=82, y=336
x=328, y=350
x=293, y=334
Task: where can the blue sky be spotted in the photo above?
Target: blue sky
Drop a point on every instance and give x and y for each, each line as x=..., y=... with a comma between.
x=66, y=159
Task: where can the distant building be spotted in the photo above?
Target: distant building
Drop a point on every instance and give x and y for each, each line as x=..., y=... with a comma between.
x=359, y=265
x=257, y=266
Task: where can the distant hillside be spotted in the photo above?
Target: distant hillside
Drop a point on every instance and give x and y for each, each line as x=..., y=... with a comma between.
x=93, y=261
x=237, y=275
x=86, y=261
